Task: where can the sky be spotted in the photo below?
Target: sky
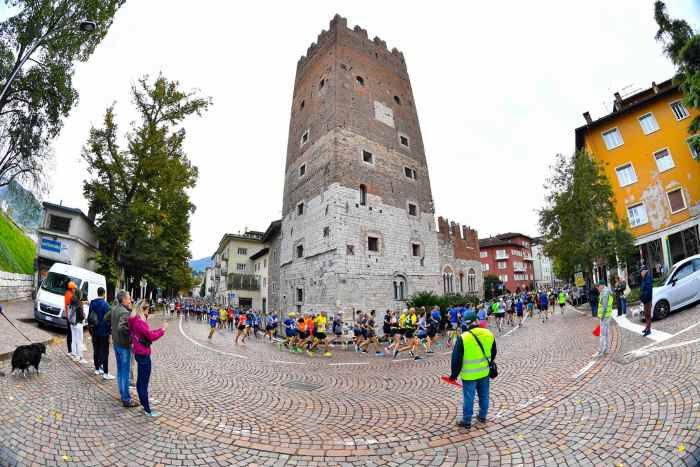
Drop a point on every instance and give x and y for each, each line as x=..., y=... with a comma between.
x=499, y=87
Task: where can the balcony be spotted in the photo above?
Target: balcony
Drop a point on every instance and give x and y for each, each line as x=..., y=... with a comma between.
x=502, y=256
x=528, y=258
x=243, y=282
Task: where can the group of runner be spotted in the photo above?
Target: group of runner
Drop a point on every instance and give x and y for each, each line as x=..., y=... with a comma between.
x=410, y=330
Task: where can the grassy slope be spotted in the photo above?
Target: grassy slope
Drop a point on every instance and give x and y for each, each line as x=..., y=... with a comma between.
x=17, y=251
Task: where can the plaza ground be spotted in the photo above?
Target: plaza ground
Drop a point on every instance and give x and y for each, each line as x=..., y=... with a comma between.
x=553, y=404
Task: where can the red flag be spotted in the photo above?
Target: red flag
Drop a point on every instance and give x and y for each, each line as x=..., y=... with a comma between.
x=596, y=331
x=447, y=380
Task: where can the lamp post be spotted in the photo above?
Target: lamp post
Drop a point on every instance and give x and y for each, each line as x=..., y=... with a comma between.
x=84, y=26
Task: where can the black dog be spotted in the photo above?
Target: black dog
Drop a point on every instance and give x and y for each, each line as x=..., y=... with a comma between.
x=25, y=356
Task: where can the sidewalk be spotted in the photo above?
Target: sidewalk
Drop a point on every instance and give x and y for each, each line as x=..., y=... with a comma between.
x=20, y=313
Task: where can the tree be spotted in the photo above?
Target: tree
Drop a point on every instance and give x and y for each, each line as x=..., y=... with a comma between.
x=492, y=286
x=579, y=221
x=38, y=50
x=139, y=193
x=682, y=46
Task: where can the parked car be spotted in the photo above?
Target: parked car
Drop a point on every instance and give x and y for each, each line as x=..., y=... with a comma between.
x=679, y=289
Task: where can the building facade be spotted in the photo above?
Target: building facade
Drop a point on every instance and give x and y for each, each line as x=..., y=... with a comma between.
x=459, y=259
x=542, y=265
x=508, y=256
x=358, y=227
x=234, y=279
x=66, y=235
x=654, y=173
x=271, y=240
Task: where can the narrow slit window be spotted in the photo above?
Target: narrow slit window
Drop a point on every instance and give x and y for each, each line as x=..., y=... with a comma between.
x=415, y=249
x=302, y=170
x=300, y=209
x=403, y=139
x=322, y=83
x=304, y=137
x=412, y=209
x=300, y=251
x=397, y=99
x=367, y=157
x=360, y=80
x=363, y=195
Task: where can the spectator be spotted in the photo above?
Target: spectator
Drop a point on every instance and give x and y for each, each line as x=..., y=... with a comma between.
x=142, y=337
x=100, y=335
x=645, y=295
x=67, y=299
x=593, y=300
x=76, y=319
x=620, y=288
x=121, y=340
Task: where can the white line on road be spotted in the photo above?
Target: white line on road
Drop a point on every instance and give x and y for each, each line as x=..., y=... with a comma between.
x=288, y=363
x=207, y=347
x=670, y=336
x=644, y=352
x=623, y=322
x=348, y=363
x=583, y=370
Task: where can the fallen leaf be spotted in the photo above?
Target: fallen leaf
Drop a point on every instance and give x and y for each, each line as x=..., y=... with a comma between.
x=681, y=448
x=519, y=437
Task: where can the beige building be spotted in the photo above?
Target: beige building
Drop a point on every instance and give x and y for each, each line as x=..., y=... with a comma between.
x=234, y=279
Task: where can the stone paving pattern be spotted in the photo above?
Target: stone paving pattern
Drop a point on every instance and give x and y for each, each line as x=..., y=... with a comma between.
x=232, y=405
x=9, y=337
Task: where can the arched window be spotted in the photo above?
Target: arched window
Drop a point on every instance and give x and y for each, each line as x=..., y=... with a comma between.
x=471, y=280
x=448, y=280
x=363, y=195
x=461, y=282
x=400, y=290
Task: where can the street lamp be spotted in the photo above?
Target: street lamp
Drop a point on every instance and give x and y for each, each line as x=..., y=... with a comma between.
x=84, y=26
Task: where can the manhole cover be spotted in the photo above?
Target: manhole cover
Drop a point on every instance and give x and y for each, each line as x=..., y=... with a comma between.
x=300, y=385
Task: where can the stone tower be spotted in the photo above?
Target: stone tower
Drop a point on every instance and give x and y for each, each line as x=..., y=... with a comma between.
x=358, y=226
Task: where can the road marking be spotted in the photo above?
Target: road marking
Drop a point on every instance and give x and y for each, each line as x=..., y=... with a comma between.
x=583, y=370
x=207, y=347
x=623, y=322
x=348, y=363
x=288, y=363
x=669, y=337
x=645, y=352
x=511, y=331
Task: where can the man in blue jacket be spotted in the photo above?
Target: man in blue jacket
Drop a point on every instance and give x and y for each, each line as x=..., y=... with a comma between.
x=645, y=295
x=100, y=335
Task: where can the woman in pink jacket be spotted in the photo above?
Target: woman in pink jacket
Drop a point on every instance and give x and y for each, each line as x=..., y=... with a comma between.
x=141, y=338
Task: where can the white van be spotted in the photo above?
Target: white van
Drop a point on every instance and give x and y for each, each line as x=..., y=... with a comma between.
x=49, y=305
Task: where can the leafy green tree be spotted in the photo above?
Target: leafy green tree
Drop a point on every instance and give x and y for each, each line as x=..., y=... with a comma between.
x=579, y=221
x=139, y=192
x=39, y=47
x=431, y=299
x=682, y=46
x=492, y=286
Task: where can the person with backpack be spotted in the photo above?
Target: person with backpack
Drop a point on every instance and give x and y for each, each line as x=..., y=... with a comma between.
x=67, y=299
x=76, y=318
x=100, y=334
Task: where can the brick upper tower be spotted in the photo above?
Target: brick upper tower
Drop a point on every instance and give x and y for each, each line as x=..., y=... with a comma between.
x=358, y=215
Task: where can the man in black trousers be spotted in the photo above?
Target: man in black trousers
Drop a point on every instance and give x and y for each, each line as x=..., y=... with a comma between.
x=100, y=335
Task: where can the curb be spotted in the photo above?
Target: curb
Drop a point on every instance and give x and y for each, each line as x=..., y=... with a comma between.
x=50, y=341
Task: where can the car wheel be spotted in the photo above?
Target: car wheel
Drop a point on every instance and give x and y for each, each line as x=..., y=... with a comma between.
x=661, y=310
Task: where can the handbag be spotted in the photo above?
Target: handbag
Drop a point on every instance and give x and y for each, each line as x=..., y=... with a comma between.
x=493, y=368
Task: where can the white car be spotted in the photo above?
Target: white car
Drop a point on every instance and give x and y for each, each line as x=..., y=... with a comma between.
x=681, y=288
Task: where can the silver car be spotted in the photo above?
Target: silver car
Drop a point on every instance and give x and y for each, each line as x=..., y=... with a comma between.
x=681, y=288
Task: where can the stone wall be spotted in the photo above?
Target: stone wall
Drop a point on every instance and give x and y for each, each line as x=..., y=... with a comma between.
x=15, y=286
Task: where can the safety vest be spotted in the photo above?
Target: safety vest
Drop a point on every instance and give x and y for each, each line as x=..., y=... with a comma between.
x=562, y=298
x=474, y=364
x=609, y=308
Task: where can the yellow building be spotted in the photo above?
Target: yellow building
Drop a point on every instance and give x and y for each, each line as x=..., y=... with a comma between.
x=653, y=171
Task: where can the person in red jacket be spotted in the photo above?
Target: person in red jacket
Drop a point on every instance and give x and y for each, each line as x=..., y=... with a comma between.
x=141, y=339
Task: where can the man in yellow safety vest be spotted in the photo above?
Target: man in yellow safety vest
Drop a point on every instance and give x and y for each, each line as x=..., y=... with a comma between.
x=605, y=308
x=471, y=364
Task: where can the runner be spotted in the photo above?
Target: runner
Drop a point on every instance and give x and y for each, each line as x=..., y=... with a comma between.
x=372, y=336
x=562, y=301
x=242, y=327
x=544, y=306
x=213, y=319
x=519, y=310
x=291, y=333
x=271, y=327
x=499, y=313
x=320, y=334
x=409, y=328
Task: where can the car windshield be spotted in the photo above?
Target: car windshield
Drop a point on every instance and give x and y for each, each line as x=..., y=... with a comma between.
x=58, y=283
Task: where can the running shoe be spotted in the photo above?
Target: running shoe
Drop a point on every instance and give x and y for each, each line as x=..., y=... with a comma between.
x=309, y=353
x=396, y=353
x=152, y=414
x=327, y=354
x=429, y=351
x=98, y=372
x=107, y=377
x=411, y=354
x=418, y=357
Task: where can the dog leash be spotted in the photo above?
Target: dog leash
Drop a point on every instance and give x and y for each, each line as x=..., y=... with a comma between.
x=13, y=325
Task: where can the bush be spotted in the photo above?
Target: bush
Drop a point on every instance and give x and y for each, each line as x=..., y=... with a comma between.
x=430, y=299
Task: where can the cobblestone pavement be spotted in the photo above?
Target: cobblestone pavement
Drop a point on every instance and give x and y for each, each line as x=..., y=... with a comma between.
x=553, y=404
x=20, y=313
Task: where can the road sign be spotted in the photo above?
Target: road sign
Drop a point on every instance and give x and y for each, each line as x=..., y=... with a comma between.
x=579, y=280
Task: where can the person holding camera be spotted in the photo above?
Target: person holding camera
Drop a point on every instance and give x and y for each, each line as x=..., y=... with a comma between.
x=141, y=338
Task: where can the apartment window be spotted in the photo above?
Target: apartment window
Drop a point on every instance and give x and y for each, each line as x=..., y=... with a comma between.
x=59, y=223
x=503, y=278
x=664, y=161
x=302, y=170
x=243, y=251
x=415, y=249
x=637, y=215
x=501, y=254
x=502, y=265
x=241, y=267
x=350, y=250
x=648, y=123
x=484, y=254
x=300, y=251
x=326, y=232
x=367, y=157
x=412, y=209
x=373, y=244
x=397, y=99
x=304, y=137
x=363, y=195
x=612, y=138
x=403, y=139
x=626, y=175
x=693, y=152
x=409, y=173
x=300, y=209
x=360, y=80
x=676, y=200
x=484, y=267
x=679, y=110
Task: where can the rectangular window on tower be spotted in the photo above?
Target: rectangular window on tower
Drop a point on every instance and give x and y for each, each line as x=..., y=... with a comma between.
x=367, y=157
x=373, y=244
x=412, y=209
x=415, y=249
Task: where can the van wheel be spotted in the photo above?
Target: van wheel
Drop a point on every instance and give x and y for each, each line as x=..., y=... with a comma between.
x=661, y=310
